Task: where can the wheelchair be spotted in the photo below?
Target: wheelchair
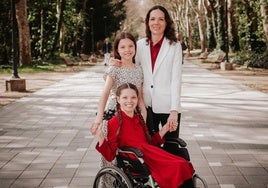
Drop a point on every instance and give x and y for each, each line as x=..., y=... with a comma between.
x=130, y=171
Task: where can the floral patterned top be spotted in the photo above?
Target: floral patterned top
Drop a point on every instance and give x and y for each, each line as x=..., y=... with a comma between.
x=122, y=75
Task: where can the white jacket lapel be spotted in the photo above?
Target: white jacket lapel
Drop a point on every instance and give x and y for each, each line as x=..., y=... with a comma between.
x=147, y=58
x=161, y=55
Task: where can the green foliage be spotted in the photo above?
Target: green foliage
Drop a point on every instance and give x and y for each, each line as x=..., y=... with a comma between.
x=241, y=58
x=250, y=59
x=250, y=27
x=258, y=60
x=42, y=21
x=73, y=23
x=44, y=67
x=212, y=44
x=221, y=26
x=114, y=11
x=107, y=16
x=5, y=33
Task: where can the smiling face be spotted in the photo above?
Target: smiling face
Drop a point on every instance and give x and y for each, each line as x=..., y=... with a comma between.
x=126, y=49
x=128, y=100
x=157, y=22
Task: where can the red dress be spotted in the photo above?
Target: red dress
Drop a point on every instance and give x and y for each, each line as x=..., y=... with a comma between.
x=168, y=170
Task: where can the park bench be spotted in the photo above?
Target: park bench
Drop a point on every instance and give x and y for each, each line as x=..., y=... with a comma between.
x=204, y=55
x=84, y=57
x=217, y=62
x=70, y=62
x=220, y=59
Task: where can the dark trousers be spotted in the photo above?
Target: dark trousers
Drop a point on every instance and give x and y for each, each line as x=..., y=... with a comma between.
x=153, y=120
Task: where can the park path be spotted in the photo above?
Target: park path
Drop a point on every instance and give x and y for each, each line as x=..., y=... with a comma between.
x=45, y=142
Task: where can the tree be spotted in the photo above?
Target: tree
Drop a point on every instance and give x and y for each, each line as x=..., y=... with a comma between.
x=24, y=33
x=264, y=14
x=200, y=14
x=233, y=25
x=5, y=33
x=115, y=12
x=252, y=27
x=60, y=9
x=210, y=21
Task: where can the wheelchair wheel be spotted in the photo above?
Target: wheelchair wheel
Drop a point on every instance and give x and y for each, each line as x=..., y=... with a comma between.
x=199, y=182
x=115, y=177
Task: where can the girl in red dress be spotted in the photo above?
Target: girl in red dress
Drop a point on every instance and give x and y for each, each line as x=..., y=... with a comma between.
x=128, y=129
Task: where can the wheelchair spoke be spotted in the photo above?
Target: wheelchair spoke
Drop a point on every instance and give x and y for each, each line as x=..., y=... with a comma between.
x=112, y=176
x=202, y=181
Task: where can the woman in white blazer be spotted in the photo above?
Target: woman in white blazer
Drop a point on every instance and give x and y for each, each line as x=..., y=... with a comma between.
x=160, y=56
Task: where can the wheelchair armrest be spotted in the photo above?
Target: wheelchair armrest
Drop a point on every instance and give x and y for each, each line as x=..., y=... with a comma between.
x=132, y=150
x=179, y=141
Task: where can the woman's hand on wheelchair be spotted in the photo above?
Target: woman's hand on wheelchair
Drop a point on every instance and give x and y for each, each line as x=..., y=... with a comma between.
x=173, y=120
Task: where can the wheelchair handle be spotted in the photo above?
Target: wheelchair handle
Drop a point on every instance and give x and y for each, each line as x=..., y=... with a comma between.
x=136, y=151
x=179, y=141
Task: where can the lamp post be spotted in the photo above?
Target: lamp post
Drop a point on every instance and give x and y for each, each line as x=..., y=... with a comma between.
x=92, y=29
x=15, y=83
x=14, y=43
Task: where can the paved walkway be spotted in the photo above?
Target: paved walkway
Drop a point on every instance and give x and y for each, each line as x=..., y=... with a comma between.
x=45, y=142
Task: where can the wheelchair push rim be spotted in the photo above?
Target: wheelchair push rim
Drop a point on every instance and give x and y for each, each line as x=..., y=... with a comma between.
x=196, y=179
x=118, y=178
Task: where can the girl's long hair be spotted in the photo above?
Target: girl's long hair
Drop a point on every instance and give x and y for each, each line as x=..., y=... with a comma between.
x=137, y=111
x=118, y=38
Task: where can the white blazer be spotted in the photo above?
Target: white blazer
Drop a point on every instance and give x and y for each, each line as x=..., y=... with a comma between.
x=161, y=88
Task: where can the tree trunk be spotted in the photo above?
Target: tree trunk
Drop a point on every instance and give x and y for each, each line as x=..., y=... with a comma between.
x=60, y=9
x=233, y=25
x=202, y=26
x=264, y=13
x=24, y=33
x=42, y=32
x=221, y=25
x=188, y=28
x=86, y=32
x=253, y=25
x=211, y=39
x=199, y=10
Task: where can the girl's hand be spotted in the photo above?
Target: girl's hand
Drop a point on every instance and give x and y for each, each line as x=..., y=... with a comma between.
x=115, y=62
x=164, y=130
x=173, y=120
x=100, y=135
x=94, y=127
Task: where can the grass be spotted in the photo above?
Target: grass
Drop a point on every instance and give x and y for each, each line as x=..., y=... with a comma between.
x=48, y=67
x=57, y=64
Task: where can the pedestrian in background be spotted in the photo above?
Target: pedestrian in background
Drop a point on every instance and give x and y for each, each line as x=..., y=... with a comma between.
x=183, y=45
x=180, y=39
x=106, y=49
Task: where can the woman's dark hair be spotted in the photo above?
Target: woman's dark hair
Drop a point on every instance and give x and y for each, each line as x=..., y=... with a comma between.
x=120, y=36
x=169, y=32
x=118, y=92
